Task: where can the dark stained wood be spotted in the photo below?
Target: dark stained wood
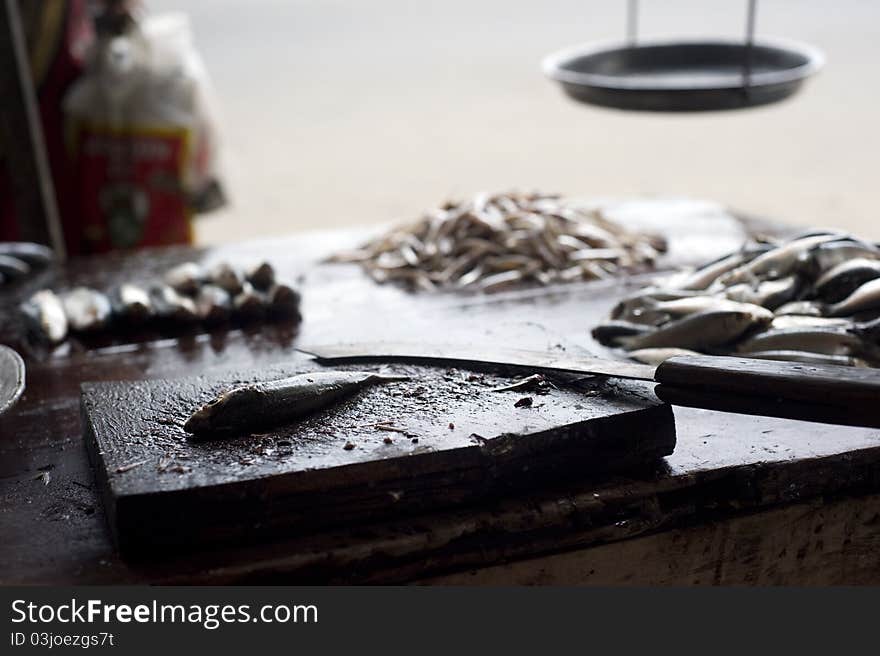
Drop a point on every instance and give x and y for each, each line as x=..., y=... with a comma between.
x=725, y=467
x=805, y=544
x=832, y=393
x=454, y=440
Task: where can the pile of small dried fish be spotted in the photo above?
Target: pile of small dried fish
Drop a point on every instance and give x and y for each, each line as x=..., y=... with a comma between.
x=814, y=298
x=187, y=293
x=494, y=242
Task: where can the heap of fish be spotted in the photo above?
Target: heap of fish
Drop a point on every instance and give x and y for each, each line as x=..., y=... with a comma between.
x=494, y=242
x=814, y=298
x=187, y=293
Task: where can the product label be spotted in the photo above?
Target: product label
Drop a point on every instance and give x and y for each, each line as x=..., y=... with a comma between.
x=130, y=186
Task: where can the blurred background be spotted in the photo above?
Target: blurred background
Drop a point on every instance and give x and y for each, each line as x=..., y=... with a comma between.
x=338, y=112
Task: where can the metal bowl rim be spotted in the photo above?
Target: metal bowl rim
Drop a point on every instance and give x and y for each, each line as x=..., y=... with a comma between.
x=552, y=66
x=20, y=368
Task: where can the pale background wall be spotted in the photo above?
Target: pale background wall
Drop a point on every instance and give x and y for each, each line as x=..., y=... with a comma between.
x=341, y=112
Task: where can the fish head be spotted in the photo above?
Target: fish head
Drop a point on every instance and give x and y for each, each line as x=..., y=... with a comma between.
x=224, y=411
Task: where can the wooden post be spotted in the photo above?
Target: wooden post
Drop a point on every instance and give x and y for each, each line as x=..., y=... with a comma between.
x=21, y=133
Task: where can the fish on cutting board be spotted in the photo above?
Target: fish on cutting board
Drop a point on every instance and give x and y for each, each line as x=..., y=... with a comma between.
x=272, y=403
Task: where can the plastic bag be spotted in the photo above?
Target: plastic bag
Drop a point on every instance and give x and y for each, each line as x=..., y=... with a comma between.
x=142, y=138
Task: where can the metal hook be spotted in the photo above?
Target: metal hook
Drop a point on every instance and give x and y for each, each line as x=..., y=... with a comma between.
x=751, y=15
x=632, y=21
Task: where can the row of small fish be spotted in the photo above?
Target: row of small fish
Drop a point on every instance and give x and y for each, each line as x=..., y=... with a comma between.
x=814, y=298
x=187, y=293
x=494, y=242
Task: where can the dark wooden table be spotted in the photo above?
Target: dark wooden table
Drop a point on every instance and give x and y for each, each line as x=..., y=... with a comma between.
x=742, y=500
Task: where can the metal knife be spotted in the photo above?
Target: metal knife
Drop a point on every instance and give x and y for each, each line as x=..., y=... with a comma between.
x=824, y=393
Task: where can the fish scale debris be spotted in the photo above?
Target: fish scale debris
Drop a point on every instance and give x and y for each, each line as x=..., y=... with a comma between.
x=496, y=242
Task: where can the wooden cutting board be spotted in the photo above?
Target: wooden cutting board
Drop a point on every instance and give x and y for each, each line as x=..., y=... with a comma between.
x=449, y=439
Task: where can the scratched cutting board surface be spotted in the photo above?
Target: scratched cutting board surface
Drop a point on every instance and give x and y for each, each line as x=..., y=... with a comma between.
x=450, y=438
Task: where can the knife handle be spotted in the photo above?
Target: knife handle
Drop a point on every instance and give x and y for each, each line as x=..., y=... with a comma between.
x=854, y=389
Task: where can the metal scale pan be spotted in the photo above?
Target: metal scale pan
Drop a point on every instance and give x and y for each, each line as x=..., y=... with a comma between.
x=682, y=75
x=11, y=378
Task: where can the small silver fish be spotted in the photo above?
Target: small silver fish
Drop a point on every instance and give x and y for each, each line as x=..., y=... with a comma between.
x=225, y=276
x=769, y=294
x=828, y=255
x=86, y=309
x=831, y=340
x=13, y=268
x=36, y=255
x=261, y=276
x=698, y=331
x=185, y=278
x=781, y=321
x=45, y=314
x=776, y=263
x=866, y=297
x=249, y=303
x=809, y=358
x=654, y=356
x=805, y=308
x=283, y=300
x=131, y=303
x=842, y=280
x=170, y=305
x=868, y=330
x=263, y=405
x=705, y=275
x=612, y=332
x=213, y=304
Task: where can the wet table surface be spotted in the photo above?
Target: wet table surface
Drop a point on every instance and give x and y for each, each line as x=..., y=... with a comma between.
x=724, y=465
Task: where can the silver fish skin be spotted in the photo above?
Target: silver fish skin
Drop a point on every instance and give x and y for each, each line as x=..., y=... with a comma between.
x=804, y=308
x=776, y=263
x=283, y=300
x=263, y=405
x=213, y=304
x=225, y=276
x=814, y=339
x=783, y=321
x=45, y=314
x=704, y=276
x=654, y=356
x=809, y=358
x=769, y=294
x=611, y=332
x=36, y=255
x=249, y=303
x=842, y=280
x=828, y=255
x=186, y=278
x=698, y=331
x=261, y=276
x=694, y=304
x=132, y=303
x=170, y=305
x=868, y=330
x=866, y=297
x=628, y=308
x=86, y=309
x=13, y=268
